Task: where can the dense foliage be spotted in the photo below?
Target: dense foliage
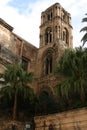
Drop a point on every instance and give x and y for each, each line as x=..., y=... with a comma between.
x=15, y=86
x=73, y=66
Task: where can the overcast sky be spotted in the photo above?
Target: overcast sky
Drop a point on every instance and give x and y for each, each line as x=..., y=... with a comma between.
x=24, y=17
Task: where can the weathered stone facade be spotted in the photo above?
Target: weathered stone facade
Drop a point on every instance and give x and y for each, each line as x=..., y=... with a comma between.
x=55, y=37
x=70, y=120
x=7, y=124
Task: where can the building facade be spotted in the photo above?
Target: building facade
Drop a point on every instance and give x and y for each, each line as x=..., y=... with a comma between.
x=55, y=36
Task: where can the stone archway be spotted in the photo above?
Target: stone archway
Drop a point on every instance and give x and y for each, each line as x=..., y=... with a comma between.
x=46, y=100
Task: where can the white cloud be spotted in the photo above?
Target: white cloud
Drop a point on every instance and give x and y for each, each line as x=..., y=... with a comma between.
x=27, y=24
x=4, y=2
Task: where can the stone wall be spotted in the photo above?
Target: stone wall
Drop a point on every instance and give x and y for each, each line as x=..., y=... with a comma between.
x=7, y=125
x=70, y=120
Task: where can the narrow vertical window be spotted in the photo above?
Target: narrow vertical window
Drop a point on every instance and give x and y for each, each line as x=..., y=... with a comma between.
x=59, y=32
x=48, y=65
x=48, y=36
x=25, y=62
x=51, y=15
x=65, y=36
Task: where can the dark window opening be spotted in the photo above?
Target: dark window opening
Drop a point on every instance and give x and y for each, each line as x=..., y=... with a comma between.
x=51, y=65
x=64, y=36
x=48, y=36
x=48, y=17
x=51, y=15
x=67, y=37
x=56, y=28
x=25, y=63
x=63, y=16
x=48, y=65
x=59, y=32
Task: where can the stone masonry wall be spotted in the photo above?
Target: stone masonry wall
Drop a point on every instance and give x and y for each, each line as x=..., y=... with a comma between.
x=7, y=125
x=70, y=120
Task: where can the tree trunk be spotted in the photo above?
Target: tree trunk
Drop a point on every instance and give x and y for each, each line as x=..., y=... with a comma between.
x=15, y=107
x=82, y=94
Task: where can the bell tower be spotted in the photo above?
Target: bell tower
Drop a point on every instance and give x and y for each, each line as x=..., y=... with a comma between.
x=55, y=24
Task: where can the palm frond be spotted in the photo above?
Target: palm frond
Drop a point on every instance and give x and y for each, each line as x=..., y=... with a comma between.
x=84, y=20
x=7, y=90
x=84, y=39
x=84, y=29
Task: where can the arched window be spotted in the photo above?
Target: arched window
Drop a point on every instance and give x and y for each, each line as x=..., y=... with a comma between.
x=65, y=36
x=48, y=36
x=49, y=16
x=48, y=64
x=59, y=32
x=25, y=63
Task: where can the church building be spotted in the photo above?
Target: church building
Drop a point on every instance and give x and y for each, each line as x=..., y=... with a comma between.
x=55, y=36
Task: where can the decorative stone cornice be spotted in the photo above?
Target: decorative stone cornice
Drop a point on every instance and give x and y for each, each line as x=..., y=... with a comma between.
x=4, y=24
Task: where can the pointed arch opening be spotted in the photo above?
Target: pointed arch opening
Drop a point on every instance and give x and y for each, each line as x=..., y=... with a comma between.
x=66, y=36
x=48, y=35
x=48, y=64
x=47, y=101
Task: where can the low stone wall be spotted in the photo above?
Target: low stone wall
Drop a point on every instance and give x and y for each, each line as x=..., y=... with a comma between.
x=7, y=125
x=70, y=120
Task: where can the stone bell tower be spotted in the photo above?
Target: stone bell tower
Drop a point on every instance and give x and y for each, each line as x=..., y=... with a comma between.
x=55, y=24
x=55, y=37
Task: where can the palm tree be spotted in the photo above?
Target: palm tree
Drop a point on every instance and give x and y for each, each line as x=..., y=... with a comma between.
x=72, y=66
x=16, y=81
x=84, y=29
